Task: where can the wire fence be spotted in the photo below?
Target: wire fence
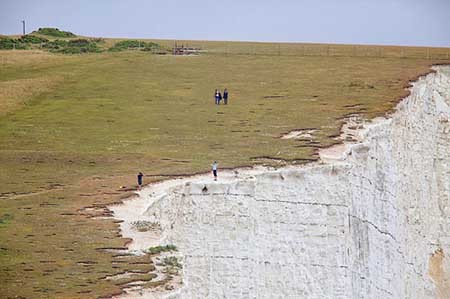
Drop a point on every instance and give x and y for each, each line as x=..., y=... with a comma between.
x=293, y=49
x=339, y=51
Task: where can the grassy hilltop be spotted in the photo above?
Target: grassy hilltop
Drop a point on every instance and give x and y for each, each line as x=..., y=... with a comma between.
x=74, y=128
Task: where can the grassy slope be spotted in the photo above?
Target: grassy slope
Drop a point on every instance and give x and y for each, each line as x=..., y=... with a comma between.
x=106, y=116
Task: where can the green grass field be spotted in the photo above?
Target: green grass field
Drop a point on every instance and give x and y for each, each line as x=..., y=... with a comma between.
x=74, y=128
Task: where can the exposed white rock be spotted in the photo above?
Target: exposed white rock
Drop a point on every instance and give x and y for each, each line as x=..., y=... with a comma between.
x=299, y=134
x=371, y=220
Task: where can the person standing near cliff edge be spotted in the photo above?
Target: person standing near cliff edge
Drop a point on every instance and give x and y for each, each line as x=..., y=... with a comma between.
x=214, y=170
x=139, y=178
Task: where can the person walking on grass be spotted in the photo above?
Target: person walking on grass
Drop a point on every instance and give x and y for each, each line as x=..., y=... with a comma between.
x=139, y=178
x=225, y=96
x=214, y=170
x=217, y=97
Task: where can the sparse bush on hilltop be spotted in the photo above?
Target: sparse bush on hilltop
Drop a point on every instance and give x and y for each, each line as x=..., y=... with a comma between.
x=55, y=32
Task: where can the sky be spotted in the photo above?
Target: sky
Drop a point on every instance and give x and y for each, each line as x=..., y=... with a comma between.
x=386, y=22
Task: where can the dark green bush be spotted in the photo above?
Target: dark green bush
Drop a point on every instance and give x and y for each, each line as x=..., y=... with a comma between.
x=56, y=44
x=80, y=43
x=129, y=44
x=159, y=249
x=7, y=43
x=77, y=46
x=134, y=44
x=55, y=32
x=32, y=39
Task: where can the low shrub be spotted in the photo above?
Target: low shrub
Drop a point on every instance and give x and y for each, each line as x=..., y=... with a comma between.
x=7, y=43
x=77, y=46
x=159, y=249
x=56, y=44
x=32, y=39
x=134, y=44
x=80, y=43
x=172, y=261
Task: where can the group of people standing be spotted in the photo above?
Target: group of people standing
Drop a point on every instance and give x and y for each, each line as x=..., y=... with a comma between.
x=219, y=97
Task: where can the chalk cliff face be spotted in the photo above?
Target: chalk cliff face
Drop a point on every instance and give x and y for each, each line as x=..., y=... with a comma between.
x=373, y=222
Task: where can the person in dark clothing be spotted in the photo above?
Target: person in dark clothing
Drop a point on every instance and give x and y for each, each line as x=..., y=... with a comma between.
x=139, y=178
x=225, y=96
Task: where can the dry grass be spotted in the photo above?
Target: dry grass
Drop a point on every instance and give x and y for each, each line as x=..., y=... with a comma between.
x=15, y=93
x=29, y=58
x=22, y=82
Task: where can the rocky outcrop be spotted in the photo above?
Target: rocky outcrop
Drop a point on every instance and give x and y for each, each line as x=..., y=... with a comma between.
x=371, y=220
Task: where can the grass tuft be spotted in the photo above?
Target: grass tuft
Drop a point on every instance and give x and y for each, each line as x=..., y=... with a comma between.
x=159, y=249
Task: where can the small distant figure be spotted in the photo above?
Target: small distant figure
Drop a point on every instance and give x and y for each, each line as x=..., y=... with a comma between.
x=225, y=96
x=217, y=97
x=220, y=97
x=139, y=178
x=214, y=170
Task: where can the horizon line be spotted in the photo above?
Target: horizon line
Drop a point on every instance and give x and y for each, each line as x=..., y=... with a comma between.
x=248, y=41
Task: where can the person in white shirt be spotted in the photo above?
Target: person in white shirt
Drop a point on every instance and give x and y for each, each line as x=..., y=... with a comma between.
x=214, y=170
x=217, y=97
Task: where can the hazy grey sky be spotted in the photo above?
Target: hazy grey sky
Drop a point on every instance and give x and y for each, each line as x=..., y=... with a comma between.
x=399, y=22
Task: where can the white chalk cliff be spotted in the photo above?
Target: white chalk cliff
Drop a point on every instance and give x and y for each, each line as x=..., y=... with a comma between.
x=370, y=220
